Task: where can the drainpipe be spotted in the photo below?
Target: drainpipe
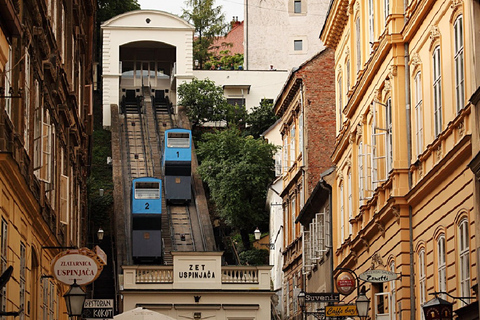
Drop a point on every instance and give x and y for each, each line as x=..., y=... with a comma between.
x=409, y=155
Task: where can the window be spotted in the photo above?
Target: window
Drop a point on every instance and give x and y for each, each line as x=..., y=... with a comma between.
x=421, y=279
x=285, y=154
x=393, y=293
x=437, y=91
x=459, y=72
x=389, y=135
x=4, y=252
x=23, y=269
x=371, y=22
x=386, y=9
x=347, y=76
x=297, y=6
x=236, y=101
x=300, y=133
x=342, y=218
x=361, y=176
x=464, y=252
x=316, y=239
x=442, y=266
x=26, y=117
x=359, y=44
x=350, y=203
x=294, y=213
x=419, y=113
x=8, y=82
x=298, y=45
x=340, y=105
x=278, y=164
x=293, y=153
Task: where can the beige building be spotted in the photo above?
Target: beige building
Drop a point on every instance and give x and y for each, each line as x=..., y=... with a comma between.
x=46, y=50
x=403, y=195
x=197, y=286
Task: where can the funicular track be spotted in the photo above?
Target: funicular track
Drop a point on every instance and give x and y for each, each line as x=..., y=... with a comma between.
x=143, y=132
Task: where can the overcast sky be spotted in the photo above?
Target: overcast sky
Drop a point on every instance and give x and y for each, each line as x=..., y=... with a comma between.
x=231, y=8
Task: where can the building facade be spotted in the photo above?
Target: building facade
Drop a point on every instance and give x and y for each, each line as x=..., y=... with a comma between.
x=306, y=108
x=282, y=34
x=46, y=50
x=403, y=194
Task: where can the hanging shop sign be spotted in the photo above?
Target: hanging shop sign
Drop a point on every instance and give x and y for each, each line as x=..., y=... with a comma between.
x=348, y=310
x=82, y=265
x=345, y=283
x=322, y=297
x=98, y=309
x=378, y=276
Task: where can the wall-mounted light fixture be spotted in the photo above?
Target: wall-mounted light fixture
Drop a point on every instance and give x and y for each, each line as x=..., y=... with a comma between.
x=258, y=234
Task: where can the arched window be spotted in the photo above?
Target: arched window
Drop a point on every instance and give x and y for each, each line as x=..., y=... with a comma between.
x=442, y=265
x=464, y=258
x=422, y=279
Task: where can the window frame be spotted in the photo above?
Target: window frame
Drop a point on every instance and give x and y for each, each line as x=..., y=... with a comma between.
x=437, y=90
x=442, y=265
x=464, y=258
x=459, y=63
x=419, y=112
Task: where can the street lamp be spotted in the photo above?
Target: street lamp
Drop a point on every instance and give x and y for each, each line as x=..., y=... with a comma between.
x=362, y=304
x=257, y=234
x=100, y=234
x=75, y=298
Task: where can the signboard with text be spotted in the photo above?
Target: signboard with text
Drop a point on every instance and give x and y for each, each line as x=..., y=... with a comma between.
x=348, y=310
x=98, y=309
x=80, y=265
x=378, y=276
x=322, y=297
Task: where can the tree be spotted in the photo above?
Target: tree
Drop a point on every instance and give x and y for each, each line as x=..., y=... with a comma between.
x=209, y=22
x=261, y=118
x=203, y=100
x=237, y=171
x=108, y=9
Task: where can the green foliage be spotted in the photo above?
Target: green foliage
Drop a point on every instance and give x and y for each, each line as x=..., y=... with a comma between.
x=108, y=9
x=100, y=207
x=254, y=257
x=225, y=60
x=209, y=22
x=205, y=102
x=237, y=170
x=261, y=118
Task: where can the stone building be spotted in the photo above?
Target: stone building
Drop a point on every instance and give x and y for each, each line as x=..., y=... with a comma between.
x=403, y=194
x=306, y=108
x=46, y=50
x=282, y=34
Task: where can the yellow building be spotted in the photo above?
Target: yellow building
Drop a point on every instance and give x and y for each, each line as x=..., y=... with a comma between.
x=403, y=195
x=46, y=50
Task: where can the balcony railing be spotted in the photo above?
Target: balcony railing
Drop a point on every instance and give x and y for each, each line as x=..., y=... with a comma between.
x=234, y=277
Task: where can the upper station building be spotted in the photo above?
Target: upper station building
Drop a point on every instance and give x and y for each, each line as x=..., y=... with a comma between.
x=155, y=48
x=403, y=194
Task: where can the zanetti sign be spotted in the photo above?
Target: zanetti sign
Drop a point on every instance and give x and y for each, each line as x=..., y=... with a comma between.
x=378, y=276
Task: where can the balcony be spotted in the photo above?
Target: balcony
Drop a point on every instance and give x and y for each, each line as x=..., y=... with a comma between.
x=162, y=277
